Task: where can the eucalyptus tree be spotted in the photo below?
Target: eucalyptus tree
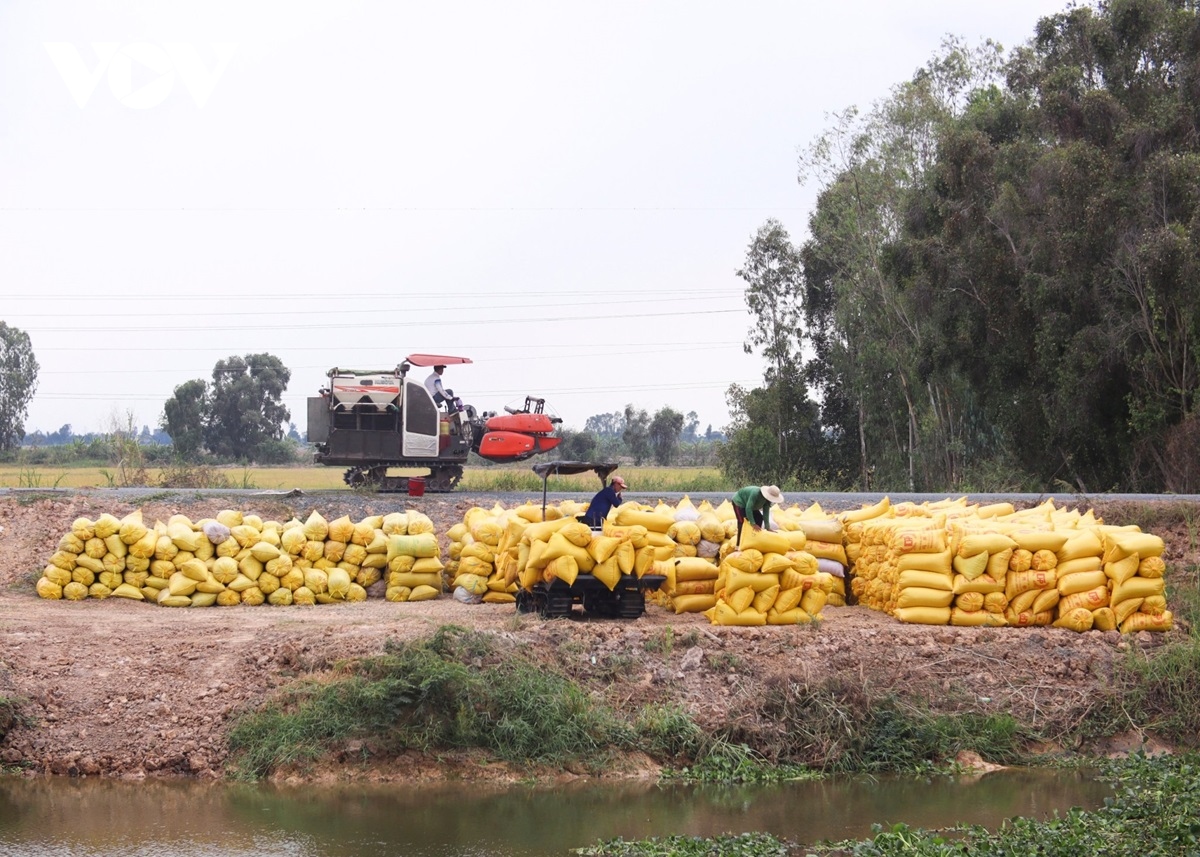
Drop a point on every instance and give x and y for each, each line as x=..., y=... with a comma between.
x=18, y=383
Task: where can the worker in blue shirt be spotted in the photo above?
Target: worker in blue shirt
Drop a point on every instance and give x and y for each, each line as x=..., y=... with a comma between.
x=604, y=501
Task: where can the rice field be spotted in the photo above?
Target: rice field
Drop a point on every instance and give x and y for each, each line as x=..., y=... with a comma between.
x=313, y=478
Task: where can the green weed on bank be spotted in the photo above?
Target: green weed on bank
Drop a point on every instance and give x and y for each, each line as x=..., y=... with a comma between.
x=452, y=690
x=1156, y=811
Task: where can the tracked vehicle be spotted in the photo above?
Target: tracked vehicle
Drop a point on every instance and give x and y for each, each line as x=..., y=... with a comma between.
x=369, y=421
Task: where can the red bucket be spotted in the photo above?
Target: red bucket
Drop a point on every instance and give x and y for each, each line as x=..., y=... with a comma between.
x=416, y=486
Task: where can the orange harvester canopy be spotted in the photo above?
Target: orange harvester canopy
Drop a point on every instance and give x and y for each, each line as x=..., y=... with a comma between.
x=435, y=360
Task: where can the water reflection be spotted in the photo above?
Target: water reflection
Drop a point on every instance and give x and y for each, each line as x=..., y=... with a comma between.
x=97, y=818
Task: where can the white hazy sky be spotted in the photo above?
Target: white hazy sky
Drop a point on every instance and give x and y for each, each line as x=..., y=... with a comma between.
x=561, y=191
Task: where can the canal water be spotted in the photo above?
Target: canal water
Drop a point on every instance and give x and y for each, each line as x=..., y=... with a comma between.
x=100, y=818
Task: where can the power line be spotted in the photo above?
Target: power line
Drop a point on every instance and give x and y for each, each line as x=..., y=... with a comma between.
x=382, y=325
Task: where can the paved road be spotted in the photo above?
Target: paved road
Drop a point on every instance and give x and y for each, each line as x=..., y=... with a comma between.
x=833, y=501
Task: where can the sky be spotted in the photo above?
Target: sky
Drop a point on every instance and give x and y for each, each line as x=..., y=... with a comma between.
x=562, y=192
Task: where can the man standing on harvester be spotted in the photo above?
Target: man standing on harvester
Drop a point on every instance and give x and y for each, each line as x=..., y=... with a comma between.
x=754, y=502
x=606, y=498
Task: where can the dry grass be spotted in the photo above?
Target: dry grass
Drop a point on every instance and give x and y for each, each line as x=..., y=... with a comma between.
x=518, y=477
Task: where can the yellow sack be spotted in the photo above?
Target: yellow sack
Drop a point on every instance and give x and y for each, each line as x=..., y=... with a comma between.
x=924, y=615
x=971, y=567
x=1021, y=560
x=1027, y=619
x=976, y=619
x=927, y=579
x=341, y=529
x=628, y=515
x=919, y=596
x=1036, y=540
x=763, y=541
x=1137, y=587
x=746, y=559
x=685, y=533
x=602, y=547
x=607, y=572
x=739, y=599
x=969, y=601
x=1043, y=560
x=419, y=545
x=936, y=562
x=1093, y=599
x=795, y=616
x=1069, y=584
x=1152, y=567
x=132, y=529
x=813, y=601
x=1079, y=619
x=423, y=593
x=1148, y=622
x=788, y=599
x=393, y=524
x=1122, y=569
x=1104, y=619
x=562, y=568
x=106, y=525
x=925, y=540
x=726, y=615
x=1083, y=543
x=828, y=530
x=765, y=600
x=316, y=528
x=692, y=603
x=1120, y=545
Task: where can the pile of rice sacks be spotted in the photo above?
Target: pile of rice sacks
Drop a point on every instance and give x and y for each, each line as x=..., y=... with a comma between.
x=953, y=563
x=234, y=558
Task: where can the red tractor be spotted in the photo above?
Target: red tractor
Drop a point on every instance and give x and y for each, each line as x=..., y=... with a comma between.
x=371, y=420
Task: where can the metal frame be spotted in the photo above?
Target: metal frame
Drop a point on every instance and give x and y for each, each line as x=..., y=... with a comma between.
x=545, y=468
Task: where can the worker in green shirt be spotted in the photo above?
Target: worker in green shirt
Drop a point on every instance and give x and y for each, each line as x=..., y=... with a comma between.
x=754, y=502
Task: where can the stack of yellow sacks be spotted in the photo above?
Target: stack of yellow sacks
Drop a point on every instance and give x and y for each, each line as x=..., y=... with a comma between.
x=953, y=563
x=414, y=564
x=486, y=547
x=768, y=579
x=235, y=558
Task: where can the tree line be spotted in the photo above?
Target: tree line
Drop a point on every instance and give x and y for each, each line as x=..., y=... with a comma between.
x=999, y=287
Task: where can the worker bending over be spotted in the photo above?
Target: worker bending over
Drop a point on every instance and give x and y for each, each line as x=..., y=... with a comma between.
x=754, y=502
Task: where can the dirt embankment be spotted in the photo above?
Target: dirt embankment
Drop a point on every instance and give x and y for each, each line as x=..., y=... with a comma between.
x=129, y=689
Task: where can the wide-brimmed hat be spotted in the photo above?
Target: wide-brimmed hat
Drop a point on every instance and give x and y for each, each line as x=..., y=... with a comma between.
x=772, y=493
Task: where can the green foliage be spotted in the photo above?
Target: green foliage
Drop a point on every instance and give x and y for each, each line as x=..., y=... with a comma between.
x=1156, y=811
x=238, y=416
x=1002, y=282
x=664, y=435
x=721, y=761
x=668, y=732
x=636, y=433
x=452, y=690
x=725, y=845
x=18, y=383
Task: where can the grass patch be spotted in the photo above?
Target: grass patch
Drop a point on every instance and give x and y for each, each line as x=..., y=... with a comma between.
x=452, y=690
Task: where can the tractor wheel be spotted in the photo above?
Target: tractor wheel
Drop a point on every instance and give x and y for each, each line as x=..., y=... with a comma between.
x=355, y=477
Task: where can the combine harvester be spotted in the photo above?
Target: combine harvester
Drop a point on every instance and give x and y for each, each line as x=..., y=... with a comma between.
x=371, y=420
